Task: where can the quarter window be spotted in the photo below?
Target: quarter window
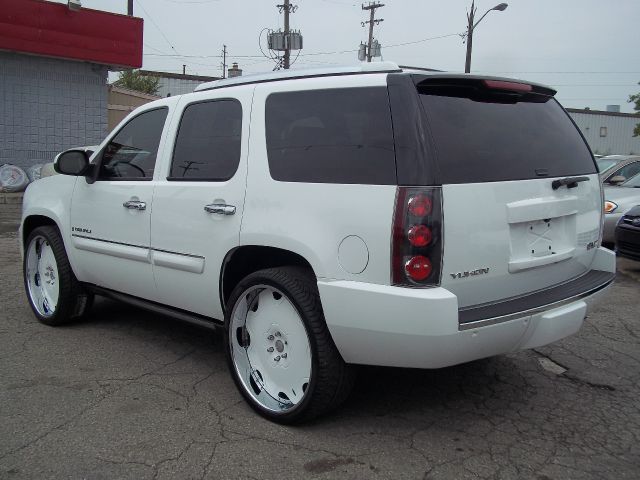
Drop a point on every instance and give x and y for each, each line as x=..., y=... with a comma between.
x=331, y=136
x=131, y=154
x=208, y=143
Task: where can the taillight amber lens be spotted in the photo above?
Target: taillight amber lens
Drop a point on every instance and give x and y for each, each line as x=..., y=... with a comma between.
x=609, y=206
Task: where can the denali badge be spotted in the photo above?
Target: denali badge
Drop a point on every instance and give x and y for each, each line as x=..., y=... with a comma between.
x=472, y=273
x=81, y=230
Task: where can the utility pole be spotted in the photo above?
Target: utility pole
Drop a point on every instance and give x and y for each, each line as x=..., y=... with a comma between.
x=470, y=18
x=471, y=26
x=372, y=20
x=287, y=9
x=130, y=8
x=287, y=51
x=224, y=61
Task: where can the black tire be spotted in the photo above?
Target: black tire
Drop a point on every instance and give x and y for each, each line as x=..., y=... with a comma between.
x=73, y=300
x=331, y=378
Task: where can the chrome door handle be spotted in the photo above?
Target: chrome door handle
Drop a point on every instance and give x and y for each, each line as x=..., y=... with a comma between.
x=135, y=205
x=220, y=209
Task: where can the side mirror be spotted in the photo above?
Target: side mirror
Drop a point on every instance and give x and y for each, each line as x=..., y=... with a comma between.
x=72, y=162
x=617, y=180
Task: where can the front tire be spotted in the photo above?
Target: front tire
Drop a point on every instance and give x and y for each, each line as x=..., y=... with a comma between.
x=279, y=349
x=55, y=295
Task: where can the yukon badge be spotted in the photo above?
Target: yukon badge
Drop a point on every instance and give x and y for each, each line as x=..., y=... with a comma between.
x=472, y=273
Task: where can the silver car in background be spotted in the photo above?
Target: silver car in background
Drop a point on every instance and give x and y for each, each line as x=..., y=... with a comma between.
x=618, y=199
x=616, y=169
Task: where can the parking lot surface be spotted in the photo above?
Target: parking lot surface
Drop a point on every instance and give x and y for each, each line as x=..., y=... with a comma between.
x=128, y=394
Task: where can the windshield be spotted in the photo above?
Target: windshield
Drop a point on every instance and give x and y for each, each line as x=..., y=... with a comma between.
x=633, y=182
x=605, y=164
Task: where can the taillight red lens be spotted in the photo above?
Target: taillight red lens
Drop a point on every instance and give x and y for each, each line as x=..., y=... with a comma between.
x=420, y=205
x=419, y=235
x=418, y=268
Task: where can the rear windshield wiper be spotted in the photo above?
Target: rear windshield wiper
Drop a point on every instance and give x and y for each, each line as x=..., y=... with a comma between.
x=570, y=182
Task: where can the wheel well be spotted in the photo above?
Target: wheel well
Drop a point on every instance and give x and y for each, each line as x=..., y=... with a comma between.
x=248, y=259
x=32, y=222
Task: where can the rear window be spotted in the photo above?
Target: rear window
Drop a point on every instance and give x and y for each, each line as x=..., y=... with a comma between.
x=331, y=136
x=485, y=136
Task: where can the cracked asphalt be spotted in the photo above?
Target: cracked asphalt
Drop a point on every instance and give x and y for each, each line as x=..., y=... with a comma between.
x=128, y=394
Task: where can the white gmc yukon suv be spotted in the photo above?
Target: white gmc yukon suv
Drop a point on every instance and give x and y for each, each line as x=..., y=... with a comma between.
x=329, y=218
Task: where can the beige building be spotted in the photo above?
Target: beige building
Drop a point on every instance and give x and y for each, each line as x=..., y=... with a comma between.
x=122, y=101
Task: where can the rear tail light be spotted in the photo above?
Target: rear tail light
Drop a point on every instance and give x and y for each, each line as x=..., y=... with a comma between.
x=416, y=247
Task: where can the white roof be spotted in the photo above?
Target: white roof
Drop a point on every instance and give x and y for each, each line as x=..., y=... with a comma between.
x=374, y=67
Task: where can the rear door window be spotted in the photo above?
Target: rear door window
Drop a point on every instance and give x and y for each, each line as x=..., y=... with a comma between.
x=331, y=136
x=208, y=143
x=485, y=136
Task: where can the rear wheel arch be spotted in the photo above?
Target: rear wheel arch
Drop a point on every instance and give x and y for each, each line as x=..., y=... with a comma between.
x=247, y=259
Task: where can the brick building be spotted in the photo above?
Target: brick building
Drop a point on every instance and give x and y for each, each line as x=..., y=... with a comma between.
x=53, y=76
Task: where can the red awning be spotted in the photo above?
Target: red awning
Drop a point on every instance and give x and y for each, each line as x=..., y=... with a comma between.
x=51, y=29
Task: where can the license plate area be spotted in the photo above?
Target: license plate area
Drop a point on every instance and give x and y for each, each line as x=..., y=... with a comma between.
x=541, y=242
x=540, y=238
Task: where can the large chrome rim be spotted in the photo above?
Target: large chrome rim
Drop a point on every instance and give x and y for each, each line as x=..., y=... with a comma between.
x=270, y=348
x=41, y=273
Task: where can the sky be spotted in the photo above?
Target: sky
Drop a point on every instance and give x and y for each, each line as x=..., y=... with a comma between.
x=586, y=49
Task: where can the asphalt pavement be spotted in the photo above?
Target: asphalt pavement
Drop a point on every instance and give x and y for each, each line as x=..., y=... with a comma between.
x=129, y=394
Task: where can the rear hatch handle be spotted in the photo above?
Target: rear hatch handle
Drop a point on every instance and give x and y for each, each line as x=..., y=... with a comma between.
x=570, y=182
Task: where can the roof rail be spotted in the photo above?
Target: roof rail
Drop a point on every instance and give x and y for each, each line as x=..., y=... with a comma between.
x=420, y=69
x=375, y=67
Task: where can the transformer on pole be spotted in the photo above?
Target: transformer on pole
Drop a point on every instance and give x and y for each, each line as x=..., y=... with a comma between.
x=285, y=40
x=372, y=48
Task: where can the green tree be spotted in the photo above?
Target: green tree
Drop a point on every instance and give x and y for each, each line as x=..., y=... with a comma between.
x=134, y=80
x=635, y=99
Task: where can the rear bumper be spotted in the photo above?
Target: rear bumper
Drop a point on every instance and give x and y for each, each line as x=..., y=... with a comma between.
x=420, y=328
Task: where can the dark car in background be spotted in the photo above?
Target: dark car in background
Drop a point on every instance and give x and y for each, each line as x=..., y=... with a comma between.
x=628, y=234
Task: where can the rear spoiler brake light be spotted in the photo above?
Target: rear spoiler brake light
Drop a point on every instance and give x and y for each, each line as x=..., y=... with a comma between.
x=425, y=83
x=511, y=86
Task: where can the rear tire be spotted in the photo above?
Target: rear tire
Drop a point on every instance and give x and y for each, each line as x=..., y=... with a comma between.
x=55, y=295
x=279, y=349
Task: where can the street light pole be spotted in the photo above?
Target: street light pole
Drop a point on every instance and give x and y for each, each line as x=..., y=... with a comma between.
x=471, y=25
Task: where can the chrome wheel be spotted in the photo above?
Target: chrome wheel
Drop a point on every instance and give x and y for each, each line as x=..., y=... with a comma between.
x=270, y=348
x=42, y=276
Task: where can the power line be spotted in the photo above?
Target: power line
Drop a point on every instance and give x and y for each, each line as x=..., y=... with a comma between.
x=156, y=25
x=336, y=52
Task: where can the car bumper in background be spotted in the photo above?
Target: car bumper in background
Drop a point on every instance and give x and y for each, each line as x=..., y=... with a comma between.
x=628, y=242
x=420, y=328
x=610, y=222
